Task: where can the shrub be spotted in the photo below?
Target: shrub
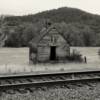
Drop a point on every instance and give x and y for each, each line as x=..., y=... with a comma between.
x=75, y=56
x=62, y=69
x=99, y=52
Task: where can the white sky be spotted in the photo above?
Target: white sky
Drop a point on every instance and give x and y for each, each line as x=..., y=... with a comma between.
x=23, y=7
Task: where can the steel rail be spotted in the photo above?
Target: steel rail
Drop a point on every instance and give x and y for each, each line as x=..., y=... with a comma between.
x=46, y=83
x=47, y=74
x=56, y=81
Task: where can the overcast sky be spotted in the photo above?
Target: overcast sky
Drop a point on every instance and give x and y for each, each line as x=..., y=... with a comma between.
x=23, y=7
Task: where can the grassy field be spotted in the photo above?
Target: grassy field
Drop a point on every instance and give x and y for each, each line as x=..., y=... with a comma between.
x=16, y=60
x=15, y=56
x=90, y=52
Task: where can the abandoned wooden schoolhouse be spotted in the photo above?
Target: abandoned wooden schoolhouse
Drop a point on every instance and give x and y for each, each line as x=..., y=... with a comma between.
x=49, y=46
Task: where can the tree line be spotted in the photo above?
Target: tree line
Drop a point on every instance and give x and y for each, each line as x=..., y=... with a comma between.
x=78, y=27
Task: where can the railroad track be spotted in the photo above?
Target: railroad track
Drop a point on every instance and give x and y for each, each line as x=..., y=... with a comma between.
x=47, y=79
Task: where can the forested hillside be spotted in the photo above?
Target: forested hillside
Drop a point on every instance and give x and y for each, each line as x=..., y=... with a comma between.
x=78, y=27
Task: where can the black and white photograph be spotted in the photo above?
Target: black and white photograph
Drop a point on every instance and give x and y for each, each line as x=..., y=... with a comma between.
x=49, y=50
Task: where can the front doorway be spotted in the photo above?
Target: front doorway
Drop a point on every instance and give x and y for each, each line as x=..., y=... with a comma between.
x=53, y=53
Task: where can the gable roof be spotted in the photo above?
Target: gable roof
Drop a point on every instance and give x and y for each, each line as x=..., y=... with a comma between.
x=34, y=42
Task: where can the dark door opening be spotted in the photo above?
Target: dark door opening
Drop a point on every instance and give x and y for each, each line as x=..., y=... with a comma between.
x=53, y=53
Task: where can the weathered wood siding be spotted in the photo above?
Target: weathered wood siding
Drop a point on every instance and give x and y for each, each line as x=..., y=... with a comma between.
x=52, y=38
